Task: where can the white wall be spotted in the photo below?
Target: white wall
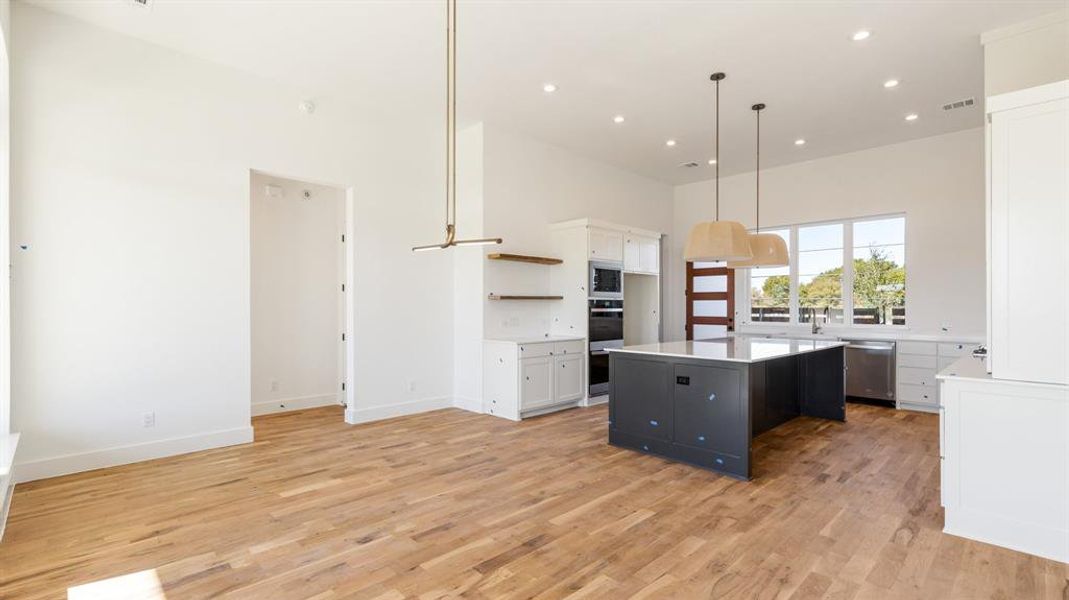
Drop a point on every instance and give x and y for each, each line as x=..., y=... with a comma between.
x=513, y=186
x=1027, y=54
x=938, y=182
x=132, y=180
x=296, y=297
x=5, y=217
x=530, y=185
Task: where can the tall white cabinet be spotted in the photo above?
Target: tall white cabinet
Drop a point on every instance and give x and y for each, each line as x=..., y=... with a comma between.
x=1004, y=437
x=1028, y=149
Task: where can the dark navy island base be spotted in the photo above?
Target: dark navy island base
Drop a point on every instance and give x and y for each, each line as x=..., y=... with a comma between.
x=706, y=411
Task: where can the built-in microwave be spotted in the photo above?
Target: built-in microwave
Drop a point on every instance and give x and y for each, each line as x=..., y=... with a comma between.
x=607, y=280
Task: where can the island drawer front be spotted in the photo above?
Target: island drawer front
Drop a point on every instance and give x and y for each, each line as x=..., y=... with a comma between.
x=925, y=377
x=640, y=399
x=708, y=409
x=640, y=443
x=533, y=350
x=921, y=361
x=954, y=350
x=711, y=459
x=574, y=347
x=917, y=394
x=926, y=348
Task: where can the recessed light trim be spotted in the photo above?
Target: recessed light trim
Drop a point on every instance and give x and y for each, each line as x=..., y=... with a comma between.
x=861, y=35
x=670, y=143
x=799, y=142
x=712, y=161
x=618, y=119
x=890, y=83
x=549, y=88
x=912, y=117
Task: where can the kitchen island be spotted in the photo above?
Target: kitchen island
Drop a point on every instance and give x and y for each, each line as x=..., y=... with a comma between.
x=703, y=402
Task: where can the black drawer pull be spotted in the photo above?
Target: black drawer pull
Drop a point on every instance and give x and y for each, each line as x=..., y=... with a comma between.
x=712, y=397
x=654, y=423
x=701, y=438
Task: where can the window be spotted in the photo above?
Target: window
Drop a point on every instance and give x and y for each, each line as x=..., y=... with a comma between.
x=880, y=272
x=846, y=272
x=770, y=289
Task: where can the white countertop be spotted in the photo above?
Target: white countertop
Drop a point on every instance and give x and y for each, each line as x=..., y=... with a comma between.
x=735, y=348
x=834, y=333
x=966, y=367
x=534, y=339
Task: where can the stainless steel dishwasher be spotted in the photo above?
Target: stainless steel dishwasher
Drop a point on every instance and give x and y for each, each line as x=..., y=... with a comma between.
x=870, y=370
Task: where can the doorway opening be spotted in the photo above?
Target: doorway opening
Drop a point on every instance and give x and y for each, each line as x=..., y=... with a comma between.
x=299, y=278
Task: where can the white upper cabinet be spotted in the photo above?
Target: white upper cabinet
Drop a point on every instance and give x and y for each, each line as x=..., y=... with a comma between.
x=1029, y=266
x=642, y=254
x=606, y=244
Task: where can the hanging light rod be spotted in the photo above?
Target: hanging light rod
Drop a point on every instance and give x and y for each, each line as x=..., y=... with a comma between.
x=769, y=249
x=451, y=141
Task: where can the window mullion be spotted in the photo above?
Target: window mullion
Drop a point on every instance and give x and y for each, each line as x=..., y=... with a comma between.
x=848, y=273
x=793, y=302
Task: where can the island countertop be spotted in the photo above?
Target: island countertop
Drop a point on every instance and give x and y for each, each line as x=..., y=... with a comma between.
x=733, y=348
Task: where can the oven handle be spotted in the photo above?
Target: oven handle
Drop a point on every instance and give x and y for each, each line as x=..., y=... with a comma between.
x=606, y=310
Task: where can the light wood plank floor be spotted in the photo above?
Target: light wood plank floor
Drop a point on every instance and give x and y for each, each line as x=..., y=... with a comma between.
x=450, y=503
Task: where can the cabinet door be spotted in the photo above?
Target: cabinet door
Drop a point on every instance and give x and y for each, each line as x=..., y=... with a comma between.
x=606, y=244
x=650, y=255
x=536, y=382
x=709, y=409
x=640, y=400
x=1029, y=326
x=568, y=378
x=632, y=253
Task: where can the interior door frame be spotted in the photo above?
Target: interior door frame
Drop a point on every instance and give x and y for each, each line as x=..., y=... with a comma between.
x=691, y=296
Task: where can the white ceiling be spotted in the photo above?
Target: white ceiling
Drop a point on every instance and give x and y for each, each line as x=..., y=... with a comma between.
x=648, y=60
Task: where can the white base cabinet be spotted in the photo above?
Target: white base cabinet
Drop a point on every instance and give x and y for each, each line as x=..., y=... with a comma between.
x=916, y=364
x=1004, y=447
x=523, y=379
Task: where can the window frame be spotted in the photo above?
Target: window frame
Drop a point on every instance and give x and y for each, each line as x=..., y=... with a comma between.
x=742, y=280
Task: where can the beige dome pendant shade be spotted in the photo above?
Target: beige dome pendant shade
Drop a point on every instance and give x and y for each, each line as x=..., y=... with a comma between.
x=769, y=249
x=451, y=141
x=712, y=241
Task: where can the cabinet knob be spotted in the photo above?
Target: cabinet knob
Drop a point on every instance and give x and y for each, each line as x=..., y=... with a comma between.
x=528, y=378
x=645, y=447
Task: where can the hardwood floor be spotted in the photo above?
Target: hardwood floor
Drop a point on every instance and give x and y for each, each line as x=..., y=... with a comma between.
x=451, y=504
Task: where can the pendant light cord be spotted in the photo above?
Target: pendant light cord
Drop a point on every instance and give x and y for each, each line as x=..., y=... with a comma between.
x=757, y=174
x=450, y=115
x=716, y=149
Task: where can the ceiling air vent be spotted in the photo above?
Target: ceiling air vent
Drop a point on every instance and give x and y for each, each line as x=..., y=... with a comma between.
x=966, y=103
x=142, y=3
x=688, y=165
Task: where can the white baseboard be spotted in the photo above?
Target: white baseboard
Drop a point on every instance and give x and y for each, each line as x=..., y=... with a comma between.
x=122, y=455
x=288, y=404
x=469, y=404
x=367, y=414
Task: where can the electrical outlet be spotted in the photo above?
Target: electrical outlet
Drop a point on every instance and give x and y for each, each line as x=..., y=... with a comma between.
x=149, y=419
x=274, y=385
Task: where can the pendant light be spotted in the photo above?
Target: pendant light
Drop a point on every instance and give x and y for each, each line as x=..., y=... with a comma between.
x=769, y=249
x=451, y=141
x=717, y=240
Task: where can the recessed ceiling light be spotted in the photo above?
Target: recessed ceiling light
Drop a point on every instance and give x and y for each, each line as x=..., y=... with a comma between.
x=618, y=119
x=911, y=117
x=549, y=88
x=712, y=161
x=890, y=83
x=670, y=143
x=799, y=142
x=861, y=35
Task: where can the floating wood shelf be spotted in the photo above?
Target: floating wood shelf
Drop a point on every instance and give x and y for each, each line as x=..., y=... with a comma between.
x=506, y=297
x=538, y=260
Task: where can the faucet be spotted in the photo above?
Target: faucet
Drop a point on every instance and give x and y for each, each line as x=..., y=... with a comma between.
x=817, y=327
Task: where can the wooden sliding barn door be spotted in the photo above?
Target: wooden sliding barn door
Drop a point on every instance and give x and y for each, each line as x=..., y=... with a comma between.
x=710, y=300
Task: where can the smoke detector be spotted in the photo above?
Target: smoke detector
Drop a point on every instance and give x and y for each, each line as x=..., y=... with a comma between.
x=965, y=103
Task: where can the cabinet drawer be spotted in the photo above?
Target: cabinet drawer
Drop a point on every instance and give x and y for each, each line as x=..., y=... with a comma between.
x=920, y=361
x=575, y=347
x=924, y=348
x=917, y=394
x=925, y=377
x=954, y=350
x=536, y=349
